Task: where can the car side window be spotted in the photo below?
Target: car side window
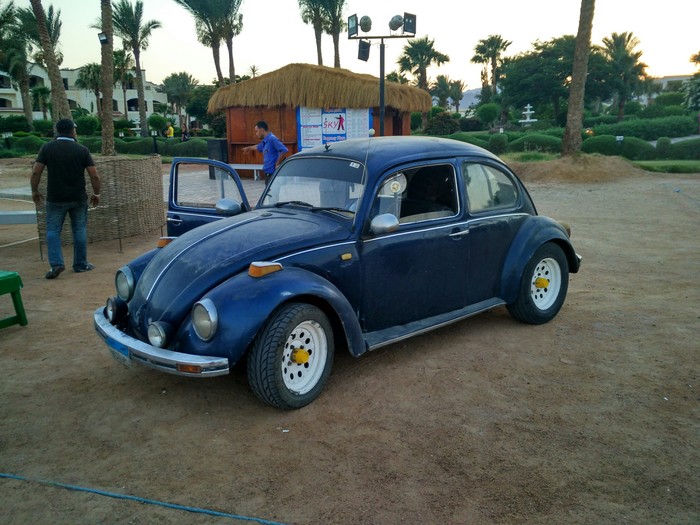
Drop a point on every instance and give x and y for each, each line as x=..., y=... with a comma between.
x=418, y=194
x=202, y=186
x=488, y=188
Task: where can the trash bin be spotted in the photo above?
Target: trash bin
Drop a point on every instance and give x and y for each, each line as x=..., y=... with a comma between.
x=217, y=149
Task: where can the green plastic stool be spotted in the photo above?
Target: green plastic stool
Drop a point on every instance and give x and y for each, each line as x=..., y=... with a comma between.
x=11, y=283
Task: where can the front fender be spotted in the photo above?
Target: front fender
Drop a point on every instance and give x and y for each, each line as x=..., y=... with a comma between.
x=244, y=304
x=534, y=232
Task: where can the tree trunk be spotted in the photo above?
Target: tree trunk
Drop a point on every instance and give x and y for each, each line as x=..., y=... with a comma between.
x=59, y=100
x=27, y=101
x=574, y=116
x=139, y=90
x=494, y=66
x=107, y=79
x=231, y=67
x=126, y=107
x=621, y=108
x=336, y=48
x=318, y=31
x=217, y=64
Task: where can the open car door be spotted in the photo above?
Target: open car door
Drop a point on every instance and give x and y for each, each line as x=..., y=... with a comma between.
x=201, y=191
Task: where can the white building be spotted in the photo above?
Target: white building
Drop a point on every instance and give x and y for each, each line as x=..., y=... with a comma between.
x=11, y=99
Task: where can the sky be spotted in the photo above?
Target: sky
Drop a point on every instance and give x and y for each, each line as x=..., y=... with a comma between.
x=273, y=34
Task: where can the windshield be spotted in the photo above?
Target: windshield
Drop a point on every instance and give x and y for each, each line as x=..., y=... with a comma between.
x=318, y=183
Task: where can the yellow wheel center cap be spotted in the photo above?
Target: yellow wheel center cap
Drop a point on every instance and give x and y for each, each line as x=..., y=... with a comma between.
x=541, y=282
x=300, y=356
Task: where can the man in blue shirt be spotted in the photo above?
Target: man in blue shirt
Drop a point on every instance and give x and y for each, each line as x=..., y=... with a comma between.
x=270, y=146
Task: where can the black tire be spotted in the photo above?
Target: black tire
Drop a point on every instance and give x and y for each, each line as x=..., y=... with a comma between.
x=292, y=356
x=537, y=304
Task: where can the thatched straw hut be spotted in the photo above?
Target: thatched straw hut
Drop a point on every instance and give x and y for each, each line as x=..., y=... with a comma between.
x=279, y=96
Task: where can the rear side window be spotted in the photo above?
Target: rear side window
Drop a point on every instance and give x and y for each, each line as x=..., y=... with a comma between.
x=488, y=188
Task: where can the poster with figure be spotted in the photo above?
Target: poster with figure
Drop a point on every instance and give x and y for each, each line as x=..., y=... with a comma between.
x=318, y=126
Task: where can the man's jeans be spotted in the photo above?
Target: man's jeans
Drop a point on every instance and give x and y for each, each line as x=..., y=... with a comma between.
x=55, y=215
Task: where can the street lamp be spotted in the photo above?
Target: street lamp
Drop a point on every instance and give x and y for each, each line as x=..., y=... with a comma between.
x=407, y=24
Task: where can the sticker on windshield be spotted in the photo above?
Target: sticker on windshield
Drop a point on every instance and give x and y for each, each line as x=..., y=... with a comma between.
x=355, y=165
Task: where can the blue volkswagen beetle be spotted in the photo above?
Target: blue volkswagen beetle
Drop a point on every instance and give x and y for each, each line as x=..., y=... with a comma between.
x=356, y=244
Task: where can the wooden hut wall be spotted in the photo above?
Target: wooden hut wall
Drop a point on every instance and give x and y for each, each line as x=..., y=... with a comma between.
x=240, y=124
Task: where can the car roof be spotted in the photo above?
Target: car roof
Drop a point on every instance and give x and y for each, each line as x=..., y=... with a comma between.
x=381, y=153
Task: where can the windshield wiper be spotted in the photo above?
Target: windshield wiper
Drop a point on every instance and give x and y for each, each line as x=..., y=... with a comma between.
x=331, y=208
x=298, y=203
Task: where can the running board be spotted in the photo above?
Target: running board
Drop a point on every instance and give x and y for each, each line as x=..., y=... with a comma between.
x=398, y=333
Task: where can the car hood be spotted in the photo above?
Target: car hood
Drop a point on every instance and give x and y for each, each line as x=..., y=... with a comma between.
x=187, y=268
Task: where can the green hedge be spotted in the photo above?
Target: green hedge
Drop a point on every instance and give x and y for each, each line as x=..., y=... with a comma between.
x=191, y=148
x=498, y=143
x=631, y=147
x=87, y=125
x=469, y=138
x=536, y=142
x=650, y=129
x=442, y=124
x=686, y=150
x=44, y=127
x=663, y=148
x=14, y=123
x=29, y=144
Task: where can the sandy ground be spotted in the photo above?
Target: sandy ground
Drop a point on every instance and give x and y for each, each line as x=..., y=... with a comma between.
x=592, y=418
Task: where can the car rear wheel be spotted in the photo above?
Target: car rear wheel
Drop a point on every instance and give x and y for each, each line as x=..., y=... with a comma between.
x=543, y=287
x=291, y=357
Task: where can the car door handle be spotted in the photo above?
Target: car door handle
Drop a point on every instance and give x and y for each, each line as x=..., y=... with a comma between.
x=176, y=222
x=459, y=233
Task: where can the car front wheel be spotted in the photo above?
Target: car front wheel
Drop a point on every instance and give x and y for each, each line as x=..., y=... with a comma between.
x=291, y=358
x=543, y=287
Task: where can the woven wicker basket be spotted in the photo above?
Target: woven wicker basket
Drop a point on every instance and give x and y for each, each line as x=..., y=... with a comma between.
x=131, y=200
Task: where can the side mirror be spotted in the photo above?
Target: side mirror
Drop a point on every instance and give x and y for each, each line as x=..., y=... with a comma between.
x=228, y=207
x=384, y=223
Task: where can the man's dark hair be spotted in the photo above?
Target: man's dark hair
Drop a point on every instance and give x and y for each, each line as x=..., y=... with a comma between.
x=262, y=125
x=64, y=126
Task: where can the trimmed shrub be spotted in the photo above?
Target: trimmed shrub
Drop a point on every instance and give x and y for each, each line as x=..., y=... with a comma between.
x=554, y=132
x=470, y=124
x=536, y=142
x=435, y=110
x=44, y=127
x=158, y=122
x=670, y=99
x=87, y=125
x=14, y=123
x=442, y=124
x=686, y=150
x=140, y=147
x=663, y=148
x=29, y=144
x=9, y=153
x=167, y=147
x=589, y=122
x=471, y=139
x=488, y=113
x=191, y=148
x=631, y=147
x=650, y=129
x=498, y=143
x=94, y=144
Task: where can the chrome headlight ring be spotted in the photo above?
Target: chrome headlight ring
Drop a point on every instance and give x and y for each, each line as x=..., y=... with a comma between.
x=205, y=319
x=125, y=283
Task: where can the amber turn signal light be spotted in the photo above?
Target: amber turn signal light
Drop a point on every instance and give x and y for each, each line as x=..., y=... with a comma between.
x=164, y=241
x=189, y=369
x=263, y=268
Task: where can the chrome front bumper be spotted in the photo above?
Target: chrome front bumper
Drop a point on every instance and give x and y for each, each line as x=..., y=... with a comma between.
x=127, y=350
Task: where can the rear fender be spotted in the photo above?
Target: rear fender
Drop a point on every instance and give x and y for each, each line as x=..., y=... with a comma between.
x=535, y=231
x=244, y=304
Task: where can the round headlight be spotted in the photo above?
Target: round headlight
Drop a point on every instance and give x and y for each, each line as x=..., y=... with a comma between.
x=125, y=283
x=116, y=310
x=157, y=334
x=205, y=319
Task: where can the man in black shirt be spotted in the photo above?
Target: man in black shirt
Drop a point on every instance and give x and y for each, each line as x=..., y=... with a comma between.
x=66, y=161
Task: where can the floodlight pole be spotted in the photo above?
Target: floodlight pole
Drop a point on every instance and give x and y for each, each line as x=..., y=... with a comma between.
x=382, y=108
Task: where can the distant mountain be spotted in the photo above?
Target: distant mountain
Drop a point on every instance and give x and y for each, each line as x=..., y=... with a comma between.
x=469, y=98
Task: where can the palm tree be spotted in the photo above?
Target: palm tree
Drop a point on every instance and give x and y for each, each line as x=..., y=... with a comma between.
x=27, y=20
x=179, y=87
x=489, y=51
x=397, y=76
x=217, y=21
x=253, y=71
x=440, y=89
x=130, y=26
x=456, y=92
x=312, y=13
x=89, y=79
x=695, y=59
x=107, y=78
x=418, y=55
x=123, y=65
x=59, y=100
x=333, y=10
x=574, y=116
x=627, y=70
x=14, y=50
x=40, y=99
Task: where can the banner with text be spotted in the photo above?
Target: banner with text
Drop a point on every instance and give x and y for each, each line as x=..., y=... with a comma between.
x=318, y=126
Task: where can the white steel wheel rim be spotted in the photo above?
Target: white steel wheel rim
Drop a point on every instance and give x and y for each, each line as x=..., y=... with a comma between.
x=544, y=296
x=309, y=339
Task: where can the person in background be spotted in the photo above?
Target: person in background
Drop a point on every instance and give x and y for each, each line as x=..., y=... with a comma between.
x=185, y=136
x=67, y=162
x=270, y=146
x=169, y=131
